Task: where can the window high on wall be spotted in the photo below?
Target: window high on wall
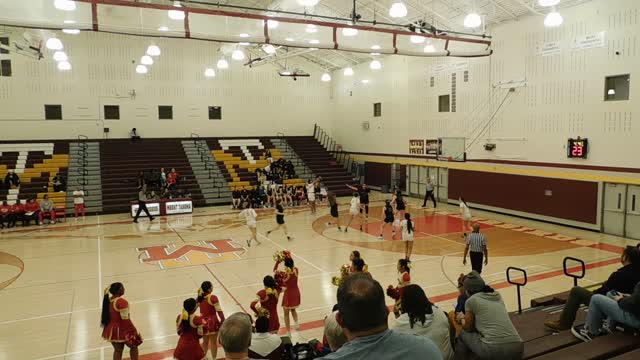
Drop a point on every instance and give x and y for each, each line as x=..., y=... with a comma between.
x=53, y=112
x=617, y=87
x=215, y=112
x=165, y=112
x=112, y=112
x=444, y=103
x=377, y=109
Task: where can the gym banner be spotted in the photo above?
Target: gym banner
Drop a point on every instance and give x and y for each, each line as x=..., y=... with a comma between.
x=416, y=147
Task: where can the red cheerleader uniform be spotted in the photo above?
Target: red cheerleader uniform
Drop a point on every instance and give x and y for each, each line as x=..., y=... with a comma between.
x=210, y=311
x=268, y=299
x=403, y=280
x=120, y=328
x=291, y=298
x=189, y=343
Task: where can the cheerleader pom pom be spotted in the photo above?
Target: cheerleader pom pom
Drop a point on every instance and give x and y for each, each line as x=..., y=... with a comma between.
x=262, y=312
x=280, y=255
x=133, y=340
x=392, y=292
x=337, y=280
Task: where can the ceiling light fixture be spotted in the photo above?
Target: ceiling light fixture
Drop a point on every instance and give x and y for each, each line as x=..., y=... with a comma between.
x=547, y=3
x=375, y=54
x=398, y=10
x=146, y=60
x=176, y=14
x=349, y=31
x=311, y=29
x=60, y=56
x=429, y=48
x=243, y=35
x=348, y=72
x=325, y=77
x=375, y=65
x=65, y=5
x=54, y=44
x=611, y=92
x=222, y=64
x=141, y=69
x=153, y=50
x=64, y=66
x=308, y=2
x=553, y=19
x=375, y=47
x=272, y=24
x=244, y=43
x=163, y=28
x=285, y=73
x=472, y=20
x=237, y=55
x=415, y=39
x=209, y=72
x=69, y=22
x=269, y=49
x=71, y=31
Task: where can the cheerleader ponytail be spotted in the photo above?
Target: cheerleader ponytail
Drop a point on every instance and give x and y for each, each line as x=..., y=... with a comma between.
x=269, y=282
x=188, y=308
x=288, y=262
x=204, y=289
x=407, y=216
x=114, y=289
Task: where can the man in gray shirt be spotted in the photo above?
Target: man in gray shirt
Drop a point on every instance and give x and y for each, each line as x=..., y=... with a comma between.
x=142, y=204
x=362, y=314
x=429, y=194
x=488, y=332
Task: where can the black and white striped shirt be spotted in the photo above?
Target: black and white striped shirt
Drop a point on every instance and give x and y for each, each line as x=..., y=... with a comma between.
x=476, y=242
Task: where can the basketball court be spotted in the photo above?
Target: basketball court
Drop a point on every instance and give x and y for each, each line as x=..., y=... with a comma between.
x=54, y=276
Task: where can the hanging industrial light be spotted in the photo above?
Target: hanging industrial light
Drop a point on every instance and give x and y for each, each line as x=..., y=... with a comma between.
x=398, y=10
x=375, y=65
x=325, y=77
x=209, y=72
x=222, y=64
x=553, y=19
x=348, y=72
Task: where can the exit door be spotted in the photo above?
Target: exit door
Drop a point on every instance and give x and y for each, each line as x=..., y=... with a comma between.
x=615, y=198
x=632, y=219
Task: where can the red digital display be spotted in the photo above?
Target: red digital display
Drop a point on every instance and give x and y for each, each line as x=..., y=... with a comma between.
x=577, y=148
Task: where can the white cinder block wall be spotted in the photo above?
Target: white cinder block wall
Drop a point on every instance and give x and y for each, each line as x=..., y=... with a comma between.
x=254, y=101
x=564, y=96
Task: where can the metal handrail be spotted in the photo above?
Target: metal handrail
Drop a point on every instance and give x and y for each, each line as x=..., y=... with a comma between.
x=517, y=284
x=566, y=270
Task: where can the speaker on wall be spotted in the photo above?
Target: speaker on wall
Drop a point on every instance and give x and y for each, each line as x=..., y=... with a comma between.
x=105, y=130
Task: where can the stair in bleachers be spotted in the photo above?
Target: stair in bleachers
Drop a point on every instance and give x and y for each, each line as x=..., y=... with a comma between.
x=212, y=182
x=36, y=164
x=321, y=163
x=287, y=151
x=84, y=173
x=121, y=160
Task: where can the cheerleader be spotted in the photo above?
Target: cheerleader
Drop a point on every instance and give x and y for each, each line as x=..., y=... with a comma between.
x=355, y=259
x=333, y=206
x=407, y=235
x=213, y=317
x=465, y=213
x=354, y=210
x=387, y=214
x=404, y=279
x=118, y=328
x=280, y=221
x=291, y=297
x=268, y=299
x=250, y=216
x=190, y=329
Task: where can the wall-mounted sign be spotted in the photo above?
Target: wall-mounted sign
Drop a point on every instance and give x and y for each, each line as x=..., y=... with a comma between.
x=416, y=147
x=577, y=148
x=590, y=41
x=453, y=67
x=432, y=146
x=550, y=49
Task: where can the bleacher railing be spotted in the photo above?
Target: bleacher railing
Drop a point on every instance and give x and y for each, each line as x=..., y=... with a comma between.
x=205, y=156
x=296, y=161
x=518, y=284
x=82, y=161
x=342, y=157
x=566, y=269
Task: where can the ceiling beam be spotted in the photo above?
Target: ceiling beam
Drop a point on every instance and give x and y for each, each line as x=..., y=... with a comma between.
x=529, y=7
x=501, y=7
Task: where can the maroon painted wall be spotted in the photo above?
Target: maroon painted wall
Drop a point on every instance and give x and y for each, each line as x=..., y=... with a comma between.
x=377, y=174
x=571, y=199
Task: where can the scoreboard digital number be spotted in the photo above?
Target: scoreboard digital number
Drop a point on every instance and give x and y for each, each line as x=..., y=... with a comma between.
x=577, y=148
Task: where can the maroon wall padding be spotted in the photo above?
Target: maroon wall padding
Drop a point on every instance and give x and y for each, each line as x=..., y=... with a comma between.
x=403, y=178
x=571, y=199
x=377, y=174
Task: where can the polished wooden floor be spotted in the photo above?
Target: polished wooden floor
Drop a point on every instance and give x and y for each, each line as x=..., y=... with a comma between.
x=52, y=277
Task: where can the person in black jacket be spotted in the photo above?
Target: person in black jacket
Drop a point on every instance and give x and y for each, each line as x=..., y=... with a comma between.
x=618, y=308
x=622, y=280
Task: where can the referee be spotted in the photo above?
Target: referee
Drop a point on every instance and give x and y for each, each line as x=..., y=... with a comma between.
x=477, y=249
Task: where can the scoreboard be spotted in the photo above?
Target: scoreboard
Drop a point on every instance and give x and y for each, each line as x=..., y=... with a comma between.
x=577, y=148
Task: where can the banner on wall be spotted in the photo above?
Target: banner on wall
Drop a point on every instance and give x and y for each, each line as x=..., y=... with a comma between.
x=459, y=66
x=590, y=41
x=416, y=147
x=550, y=49
x=439, y=69
x=453, y=67
x=432, y=146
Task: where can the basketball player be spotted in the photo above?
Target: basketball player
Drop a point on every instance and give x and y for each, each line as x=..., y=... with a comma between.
x=280, y=220
x=250, y=217
x=363, y=191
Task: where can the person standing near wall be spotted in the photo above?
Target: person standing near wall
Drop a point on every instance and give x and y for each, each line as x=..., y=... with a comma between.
x=78, y=201
x=142, y=204
x=477, y=249
x=429, y=194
